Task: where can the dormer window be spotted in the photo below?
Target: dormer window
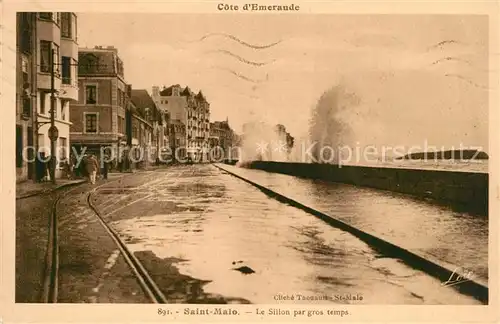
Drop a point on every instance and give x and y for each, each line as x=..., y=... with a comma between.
x=90, y=63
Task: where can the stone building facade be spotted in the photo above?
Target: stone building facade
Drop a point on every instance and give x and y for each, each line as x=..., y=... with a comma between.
x=191, y=110
x=178, y=144
x=223, y=137
x=26, y=89
x=149, y=125
x=46, y=48
x=102, y=114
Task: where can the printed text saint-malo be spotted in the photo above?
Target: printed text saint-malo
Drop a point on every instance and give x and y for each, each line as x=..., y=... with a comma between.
x=257, y=7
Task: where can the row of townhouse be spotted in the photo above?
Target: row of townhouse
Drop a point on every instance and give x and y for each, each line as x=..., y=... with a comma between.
x=190, y=113
x=223, y=137
x=109, y=113
x=191, y=132
x=46, y=47
x=92, y=104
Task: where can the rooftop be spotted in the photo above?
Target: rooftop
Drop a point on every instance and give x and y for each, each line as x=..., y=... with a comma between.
x=143, y=101
x=99, y=49
x=186, y=92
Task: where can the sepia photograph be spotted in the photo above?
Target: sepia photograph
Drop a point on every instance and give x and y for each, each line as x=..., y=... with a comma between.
x=252, y=155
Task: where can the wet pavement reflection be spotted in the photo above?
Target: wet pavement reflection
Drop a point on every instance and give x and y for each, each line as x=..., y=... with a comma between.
x=455, y=239
x=245, y=246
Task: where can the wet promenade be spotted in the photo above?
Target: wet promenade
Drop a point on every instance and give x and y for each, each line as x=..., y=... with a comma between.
x=438, y=233
x=207, y=223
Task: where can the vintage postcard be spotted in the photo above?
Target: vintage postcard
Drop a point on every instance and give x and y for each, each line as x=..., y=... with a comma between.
x=285, y=161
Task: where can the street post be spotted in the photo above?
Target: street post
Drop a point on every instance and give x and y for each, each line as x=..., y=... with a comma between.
x=53, y=130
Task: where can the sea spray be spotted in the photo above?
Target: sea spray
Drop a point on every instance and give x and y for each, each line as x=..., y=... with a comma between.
x=264, y=142
x=327, y=130
x=326, y=141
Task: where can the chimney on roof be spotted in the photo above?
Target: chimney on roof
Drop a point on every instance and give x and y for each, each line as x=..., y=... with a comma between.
x=156, y=91
x=113, y=49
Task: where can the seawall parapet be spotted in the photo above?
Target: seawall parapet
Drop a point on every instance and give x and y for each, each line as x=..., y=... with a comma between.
x=464, y=191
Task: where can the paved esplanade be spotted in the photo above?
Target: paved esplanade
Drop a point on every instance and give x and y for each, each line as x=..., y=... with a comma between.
x=191, y=226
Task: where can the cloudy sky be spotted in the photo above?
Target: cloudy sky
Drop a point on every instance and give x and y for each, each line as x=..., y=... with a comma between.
x=416, y=77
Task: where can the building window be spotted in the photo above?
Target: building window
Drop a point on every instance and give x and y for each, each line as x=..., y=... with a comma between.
x=42, y=102
x=26, y=106
x=25, y=71
x=45, y=56
x=90, y=122
x=89, y=63
x=57, y=65
x=135, y=132
x=55, y=106
x=76, y=27
x=119, y=67
x=26, y=32
x=19, y=146
x=63, y=148
x=66, y=24
x=63, y=109
x=66, y=70
x=119, y=97
x=91, y=94
x=46, y=15
x=120, y=125
x=74, y=70
x=50, y=16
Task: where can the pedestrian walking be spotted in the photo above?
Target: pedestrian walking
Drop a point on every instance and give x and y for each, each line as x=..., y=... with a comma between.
x=83, y=166
x=67, y=169
x=47, y=163
x=41, y=167
x=105, y=167
x=92, y=166
x=75, y=168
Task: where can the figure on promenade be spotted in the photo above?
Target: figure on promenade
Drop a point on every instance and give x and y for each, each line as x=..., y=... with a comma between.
x=106, y=165
x=41, y=169
x=92, y=165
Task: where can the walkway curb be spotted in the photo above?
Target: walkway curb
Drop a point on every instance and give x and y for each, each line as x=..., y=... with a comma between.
x=470, y=288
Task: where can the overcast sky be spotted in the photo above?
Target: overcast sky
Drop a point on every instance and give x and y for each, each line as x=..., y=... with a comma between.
x=386, y=61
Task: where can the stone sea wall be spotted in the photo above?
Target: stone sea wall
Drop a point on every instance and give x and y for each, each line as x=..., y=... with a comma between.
x=464, y=191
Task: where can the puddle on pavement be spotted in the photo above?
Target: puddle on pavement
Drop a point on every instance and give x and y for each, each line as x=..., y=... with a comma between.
x=180, y=288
